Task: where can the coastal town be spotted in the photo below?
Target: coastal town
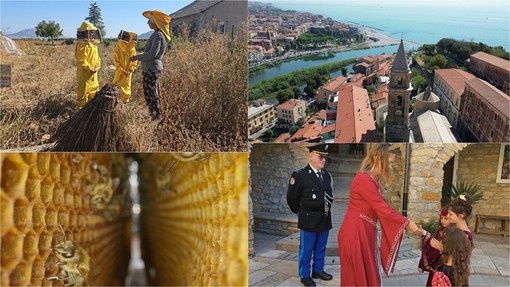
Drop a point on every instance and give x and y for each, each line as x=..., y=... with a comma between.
x=376, y=100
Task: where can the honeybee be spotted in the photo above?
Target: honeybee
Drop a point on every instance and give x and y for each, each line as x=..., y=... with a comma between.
x=102, y=191
x=73, y=262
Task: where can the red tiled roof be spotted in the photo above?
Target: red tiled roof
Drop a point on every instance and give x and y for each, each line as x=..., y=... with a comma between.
x=328, y=129
x=281, y=138
x=493, y=96
x=288, y=105
x=333, y=84
x=354, y=119
x=455, y=78
x=493, y=60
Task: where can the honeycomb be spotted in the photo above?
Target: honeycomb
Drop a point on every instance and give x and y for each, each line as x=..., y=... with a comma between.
x=41, y=192
x=194, y=218
x=193, y=221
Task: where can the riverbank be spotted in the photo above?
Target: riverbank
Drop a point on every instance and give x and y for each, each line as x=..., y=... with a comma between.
x=377, y=38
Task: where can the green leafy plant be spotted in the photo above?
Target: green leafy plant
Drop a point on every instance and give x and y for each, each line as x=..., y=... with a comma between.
x=472, y=189
x=430, y=225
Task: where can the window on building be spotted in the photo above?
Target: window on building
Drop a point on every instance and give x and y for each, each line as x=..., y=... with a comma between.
x=399, y=101
x=503, y=175
x=495, y=117
x=478, y=121
x=222, y=27
x=399, y=82
x=492, y=134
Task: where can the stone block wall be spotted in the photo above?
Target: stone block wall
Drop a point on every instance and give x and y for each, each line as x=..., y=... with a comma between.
x=478, y=164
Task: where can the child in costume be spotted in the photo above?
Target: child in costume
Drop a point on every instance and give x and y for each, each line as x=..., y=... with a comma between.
x=124, y=50
x=88, y=63
x=431, y=257
x=455, y=259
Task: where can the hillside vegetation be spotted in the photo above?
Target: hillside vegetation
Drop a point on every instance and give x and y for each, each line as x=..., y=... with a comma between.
x=203, y=95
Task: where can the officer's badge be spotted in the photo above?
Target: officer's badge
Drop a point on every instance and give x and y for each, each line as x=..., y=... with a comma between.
x=292, y=181
x=309, y=171
x=314, y=196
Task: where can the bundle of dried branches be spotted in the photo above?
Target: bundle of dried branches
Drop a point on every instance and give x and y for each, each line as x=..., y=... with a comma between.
x=96, y=127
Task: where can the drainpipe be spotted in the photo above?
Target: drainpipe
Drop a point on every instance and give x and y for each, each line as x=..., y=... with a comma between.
x=406, y=180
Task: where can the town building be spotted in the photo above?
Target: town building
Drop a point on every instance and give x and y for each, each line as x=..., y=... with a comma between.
x=449, y=86
x=354, y=117
x=484, y=113
x=325, y=93
x=225, y=15
x=290, y=112
x=494, y=70
x=260, y=116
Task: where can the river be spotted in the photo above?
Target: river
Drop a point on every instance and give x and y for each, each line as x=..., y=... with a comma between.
x=315, y=60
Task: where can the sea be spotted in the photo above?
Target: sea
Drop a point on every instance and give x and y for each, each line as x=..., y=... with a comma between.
x=422, y=22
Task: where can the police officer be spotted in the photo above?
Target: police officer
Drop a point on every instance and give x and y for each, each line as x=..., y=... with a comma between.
x=310, y=195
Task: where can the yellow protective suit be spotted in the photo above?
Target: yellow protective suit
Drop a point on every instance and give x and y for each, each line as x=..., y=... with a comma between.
x=124, y=67
x=88, y=63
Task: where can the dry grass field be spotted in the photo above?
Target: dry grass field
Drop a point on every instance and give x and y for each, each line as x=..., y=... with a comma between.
x=203, y=95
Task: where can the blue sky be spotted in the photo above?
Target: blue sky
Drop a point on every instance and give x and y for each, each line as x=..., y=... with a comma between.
x=127, y=15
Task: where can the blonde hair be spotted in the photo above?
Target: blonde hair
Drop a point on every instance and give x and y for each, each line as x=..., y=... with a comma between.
x=377, y=163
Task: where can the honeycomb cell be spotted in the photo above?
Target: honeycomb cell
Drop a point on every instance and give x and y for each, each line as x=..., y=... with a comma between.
x=37, y=271
x=63, y=217
x=65, y=174
x=14, y=175
x=47, y=186
x=13, y=243
x=7, y=209
x=38, y=216
x=55, y=167
x=21, y=275
x=51, y=218
x=22, y=215
x=33, y=189
x=43, y=163
x=29, y=158
x=58, y=195
x=44, y=244
x=69, y=198
x=30, y=246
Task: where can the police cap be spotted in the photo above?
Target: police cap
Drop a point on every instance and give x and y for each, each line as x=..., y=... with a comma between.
x=321, y=149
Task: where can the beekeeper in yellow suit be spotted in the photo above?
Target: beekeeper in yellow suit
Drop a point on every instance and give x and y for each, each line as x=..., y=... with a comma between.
x=88, y=62
x=123, y=66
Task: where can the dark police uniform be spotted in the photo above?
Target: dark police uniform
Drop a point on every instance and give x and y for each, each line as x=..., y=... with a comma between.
x=311, y=199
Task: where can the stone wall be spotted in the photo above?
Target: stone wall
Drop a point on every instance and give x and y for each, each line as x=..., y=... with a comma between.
x=271, y=166
x=426, y=178
x=478, y=164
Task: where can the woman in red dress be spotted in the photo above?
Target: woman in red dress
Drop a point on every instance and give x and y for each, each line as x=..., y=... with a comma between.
x=357, y=239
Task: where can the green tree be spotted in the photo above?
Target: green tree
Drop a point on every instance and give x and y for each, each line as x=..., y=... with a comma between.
x=344, y=71
x=429, y=49
x=284, y=95
x=51, y=30
x=419, y=83
x=439, y=61
x=95, y=18
x=297, y=92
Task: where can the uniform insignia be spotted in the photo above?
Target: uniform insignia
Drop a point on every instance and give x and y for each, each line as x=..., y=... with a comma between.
x=292, y=181
x=309, y=171
x=314, y=196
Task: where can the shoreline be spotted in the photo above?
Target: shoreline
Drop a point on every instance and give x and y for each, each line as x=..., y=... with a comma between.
x=383, y=40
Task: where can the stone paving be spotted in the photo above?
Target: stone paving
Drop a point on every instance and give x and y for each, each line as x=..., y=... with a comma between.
x=275, y=260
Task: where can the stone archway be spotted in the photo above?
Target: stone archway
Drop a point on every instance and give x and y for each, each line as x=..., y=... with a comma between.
x=426, y=177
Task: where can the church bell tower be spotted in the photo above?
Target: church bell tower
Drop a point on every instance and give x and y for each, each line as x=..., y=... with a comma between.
x=399, y=91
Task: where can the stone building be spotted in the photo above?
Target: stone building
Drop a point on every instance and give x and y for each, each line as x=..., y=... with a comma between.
x=431, y=171
x=260, y=116
x=399, y=91
x=494, y=70
x=290, y=112
x=226, y=16
x=449, y=86
x=484, y=113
